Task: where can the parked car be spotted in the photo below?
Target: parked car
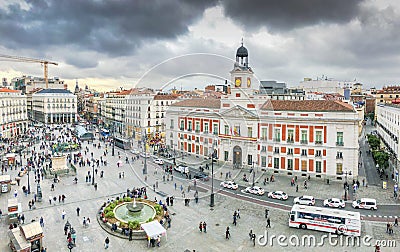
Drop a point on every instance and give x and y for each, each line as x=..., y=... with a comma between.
x=145, y=155
x=278, y=195
x=255, y=190
x=159, y=161
x=230, y=185
x=201, y=176
x=135, y=151
x=365, y=203
x=334, y=202
x=304, y=200
x=182, y=169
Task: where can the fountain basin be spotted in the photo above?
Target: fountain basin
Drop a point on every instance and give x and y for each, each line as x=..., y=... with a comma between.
x=142, y=212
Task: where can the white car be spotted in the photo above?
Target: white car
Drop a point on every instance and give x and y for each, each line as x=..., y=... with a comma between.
x=145, y=155
x=278, y=195
x=159, y=161
x=182, y=169
x=334, y=202
x=304, y=200
x=230, y=185
x=135, y=151
x=255, y=190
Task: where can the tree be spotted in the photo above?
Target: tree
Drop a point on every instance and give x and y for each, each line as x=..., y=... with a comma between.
x=381, y=158
x=374, y=141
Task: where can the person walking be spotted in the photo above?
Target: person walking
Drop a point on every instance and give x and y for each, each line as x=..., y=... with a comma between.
x=63, y=213
x=251, y=234
x=41, y=221
x=201, y=227
x=297, y=188
x=254, y=239
x=268, y=223
x=227, y=233
x=396, y=222
x=106, y=243
x=238, y=214
x=234, y=220
x=77, y=211
x=130, y=234
x=266, y=213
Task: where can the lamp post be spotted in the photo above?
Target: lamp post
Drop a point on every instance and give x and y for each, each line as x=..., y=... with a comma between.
x=254, y=175
x=212, y=175
x=113, y=143
x=145, y=152
x=346, y=186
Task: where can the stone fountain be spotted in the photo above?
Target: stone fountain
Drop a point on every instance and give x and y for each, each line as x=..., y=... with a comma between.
x=133, y=207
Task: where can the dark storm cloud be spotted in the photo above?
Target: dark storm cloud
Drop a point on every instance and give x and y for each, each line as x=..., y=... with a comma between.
x=114, y=28
x=278, y=15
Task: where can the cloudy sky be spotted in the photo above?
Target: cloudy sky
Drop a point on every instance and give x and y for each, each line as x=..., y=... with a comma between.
x=166, y=43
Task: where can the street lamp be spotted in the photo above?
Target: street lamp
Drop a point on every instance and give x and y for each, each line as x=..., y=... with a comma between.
x=254, y=175
x=212, y=175
x=113, y=140
x=145, y=152
x=346, y=185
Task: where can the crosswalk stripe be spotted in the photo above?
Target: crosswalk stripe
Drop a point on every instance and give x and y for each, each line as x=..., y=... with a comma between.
x=374, y=215
x=390, y=217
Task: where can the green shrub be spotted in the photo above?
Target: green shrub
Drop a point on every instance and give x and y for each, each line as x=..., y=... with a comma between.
x=127, y=199
x=109, y=215
x=133, y=224
x=158, y=209
x=149, y=220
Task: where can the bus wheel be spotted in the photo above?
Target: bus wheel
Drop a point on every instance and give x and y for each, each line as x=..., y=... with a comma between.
x=303, y=226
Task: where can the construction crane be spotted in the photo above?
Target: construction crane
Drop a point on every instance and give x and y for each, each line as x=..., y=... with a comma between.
x=31, y=60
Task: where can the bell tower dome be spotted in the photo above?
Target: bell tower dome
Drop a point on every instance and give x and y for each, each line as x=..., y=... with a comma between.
x=242, y=74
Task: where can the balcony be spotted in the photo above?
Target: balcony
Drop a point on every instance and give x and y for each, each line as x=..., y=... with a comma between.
x=339, y=144
x=318, y=155
x=215, y=133
x=181, y=128
x=290, y=140
x=190, y=129
x=205, y=132
x=197, y=131
x=304, y=154
x=303, y=141
x=339, y=157
x=276, y=152
x=277, y=139
x=289, y=153
x=318, y=142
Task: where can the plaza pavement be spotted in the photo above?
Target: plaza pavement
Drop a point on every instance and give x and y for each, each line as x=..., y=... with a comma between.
x=184, y=232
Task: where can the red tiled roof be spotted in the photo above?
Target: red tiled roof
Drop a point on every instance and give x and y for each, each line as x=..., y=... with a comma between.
x=166, y=97
x=199, y=103
x=307, y=106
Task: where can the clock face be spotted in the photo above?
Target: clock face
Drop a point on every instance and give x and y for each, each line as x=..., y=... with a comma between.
x=248, y=82
x=238, y=82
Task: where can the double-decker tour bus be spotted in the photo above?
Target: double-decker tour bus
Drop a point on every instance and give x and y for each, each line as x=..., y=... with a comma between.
x=325, y=220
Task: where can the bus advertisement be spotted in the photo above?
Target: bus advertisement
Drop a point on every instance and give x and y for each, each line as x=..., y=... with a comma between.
x=325, y=220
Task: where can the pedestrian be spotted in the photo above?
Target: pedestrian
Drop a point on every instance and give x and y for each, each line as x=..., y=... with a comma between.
x=50, y=199
x=201, y=227
x=77, y=211
x=234, y=220
x=63, y=213
x=175, y=186
x=23, y=218
x=227, y=233
x=251, y=234
x=363, y=181
x=238, y=214
x=15, y=193
x=297, y=188
x=254, y=239
x=396, y=222
x=204, y=227
x=95, y=186
x=106, y=243
x=130, y=234
x=65, y=229
x=268, y=222
x=387, y=227
x=266, y=213
x=41, y=221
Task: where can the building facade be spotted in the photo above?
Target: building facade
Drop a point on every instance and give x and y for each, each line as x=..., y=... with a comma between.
x=54, y=106
x=13, y=113
x=388, y=127
x=246, y=129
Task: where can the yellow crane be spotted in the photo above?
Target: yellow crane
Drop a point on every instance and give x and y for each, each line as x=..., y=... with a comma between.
x=31, y=60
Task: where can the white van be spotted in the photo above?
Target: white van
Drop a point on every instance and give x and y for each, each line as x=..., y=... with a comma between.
x=365, y=203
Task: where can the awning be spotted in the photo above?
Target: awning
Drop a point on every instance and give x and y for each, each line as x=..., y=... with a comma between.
x=153, y=229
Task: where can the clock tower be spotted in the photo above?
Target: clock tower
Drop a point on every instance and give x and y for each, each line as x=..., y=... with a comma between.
x=242, y=75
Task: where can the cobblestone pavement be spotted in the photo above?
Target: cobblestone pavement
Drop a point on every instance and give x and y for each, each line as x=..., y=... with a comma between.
x=183, y=234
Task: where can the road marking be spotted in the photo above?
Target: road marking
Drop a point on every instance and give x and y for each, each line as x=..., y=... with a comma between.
x=374, y=215
x=380, y=216
x=390, y=217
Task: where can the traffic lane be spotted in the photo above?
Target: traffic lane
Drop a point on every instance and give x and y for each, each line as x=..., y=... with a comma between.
x=385, y=210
